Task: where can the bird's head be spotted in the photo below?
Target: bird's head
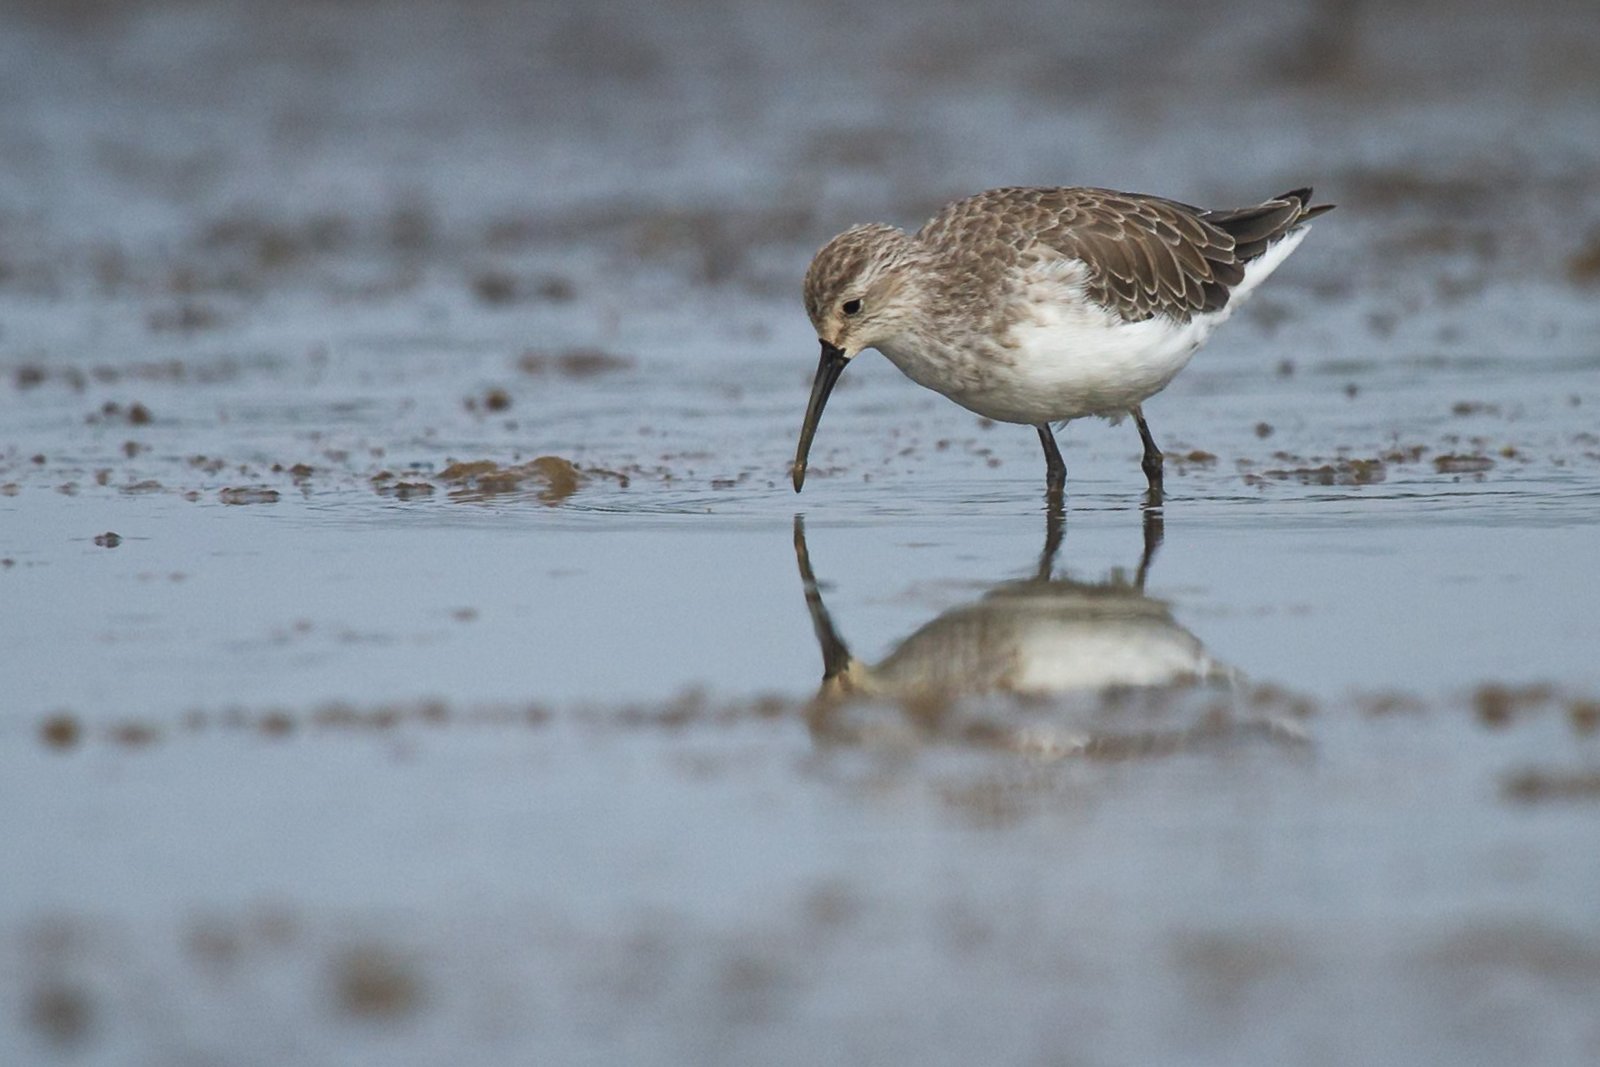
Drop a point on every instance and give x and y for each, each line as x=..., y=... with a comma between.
x=858, y=294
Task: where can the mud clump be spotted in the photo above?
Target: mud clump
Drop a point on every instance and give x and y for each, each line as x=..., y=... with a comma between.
x=187, y=317
x=1179, y=462
x=374, y=984
x=1343, y=471
x=135, y=414
x=403, y=490
x=1585, y=715
x=469, y=471
x=1381, y=704
x=252, y=494
x=499, y=288
x=1538, y=786
x=275, y=724
x=561, y=475
x=1462, y=464
x=574, y=363
x=60, y=731
x=214, y=945
x=1497, y=705
x=1583, y=268
x=272, y=245
x=494, y=400
x=62, y=1014
x=494, y=287
x=134, y=734
x=1404, y=454
x=551, y=478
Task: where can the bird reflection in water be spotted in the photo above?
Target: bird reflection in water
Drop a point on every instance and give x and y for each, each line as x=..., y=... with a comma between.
x=1086, y=665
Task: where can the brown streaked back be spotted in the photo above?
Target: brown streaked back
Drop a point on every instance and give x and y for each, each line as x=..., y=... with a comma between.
x=1146, y=255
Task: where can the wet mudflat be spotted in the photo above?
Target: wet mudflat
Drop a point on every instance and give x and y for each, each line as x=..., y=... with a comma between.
x=413, y=650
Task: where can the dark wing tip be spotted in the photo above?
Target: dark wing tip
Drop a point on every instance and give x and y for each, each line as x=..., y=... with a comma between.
x=1303, y=198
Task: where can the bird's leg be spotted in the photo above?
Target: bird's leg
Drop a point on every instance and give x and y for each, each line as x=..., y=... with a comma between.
x=1152, y=458
x=1055, y=469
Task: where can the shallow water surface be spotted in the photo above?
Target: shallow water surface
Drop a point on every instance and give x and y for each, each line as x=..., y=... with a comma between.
x=413, y=650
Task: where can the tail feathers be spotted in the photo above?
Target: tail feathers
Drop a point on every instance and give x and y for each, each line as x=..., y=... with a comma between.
x=1255, y=229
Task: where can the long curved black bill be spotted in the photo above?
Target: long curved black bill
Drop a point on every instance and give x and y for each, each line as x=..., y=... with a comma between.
x=828, y=370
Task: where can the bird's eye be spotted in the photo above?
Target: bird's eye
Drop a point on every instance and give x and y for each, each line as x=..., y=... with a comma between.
x=850, y=307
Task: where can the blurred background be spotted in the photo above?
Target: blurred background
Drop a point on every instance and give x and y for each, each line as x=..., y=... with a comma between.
x=229, y=151
x=406, y=650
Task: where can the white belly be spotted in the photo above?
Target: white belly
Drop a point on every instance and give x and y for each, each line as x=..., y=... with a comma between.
x=1065, y=368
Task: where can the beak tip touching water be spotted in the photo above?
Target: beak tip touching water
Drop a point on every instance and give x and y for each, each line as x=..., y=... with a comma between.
x=829, y=367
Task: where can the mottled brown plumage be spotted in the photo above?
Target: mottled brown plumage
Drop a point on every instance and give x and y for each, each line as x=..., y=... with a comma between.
x=1145, y=255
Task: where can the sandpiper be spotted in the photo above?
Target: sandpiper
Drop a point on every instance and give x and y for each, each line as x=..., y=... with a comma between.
x=1043, y=305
